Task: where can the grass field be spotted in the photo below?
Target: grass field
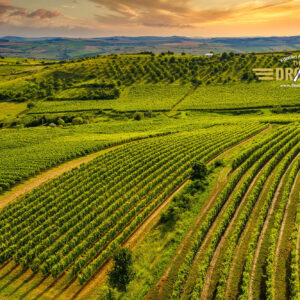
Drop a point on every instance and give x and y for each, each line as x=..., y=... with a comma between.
x=11, y=110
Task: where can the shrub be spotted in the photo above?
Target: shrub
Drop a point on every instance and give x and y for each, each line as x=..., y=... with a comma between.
x=30, y=105
x=77, y=121
x=138, y=116
x=199, y=171
x=61, y=122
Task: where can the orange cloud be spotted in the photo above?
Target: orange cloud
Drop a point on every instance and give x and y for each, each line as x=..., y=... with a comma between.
x=160, y=17
x=181, y=13
x=9, y=10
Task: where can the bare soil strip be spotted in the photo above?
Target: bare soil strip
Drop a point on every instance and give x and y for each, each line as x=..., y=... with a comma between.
x=137, y=237
x=243, y=241
x=148, y=224
x=189, y=93
x=71, y=290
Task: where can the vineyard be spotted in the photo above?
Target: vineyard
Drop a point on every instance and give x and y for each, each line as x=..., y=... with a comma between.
x=234, y=252
x=74, y=223
x=189, y=166
x=29, y=152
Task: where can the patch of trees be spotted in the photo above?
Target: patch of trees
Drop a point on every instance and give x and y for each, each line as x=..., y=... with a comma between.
x=184, y=200
x=101, y=94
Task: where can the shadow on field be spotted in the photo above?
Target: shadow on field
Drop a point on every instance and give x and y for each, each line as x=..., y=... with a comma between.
x=18, y=275
x=22, y=284
x=33, y=287
x=38, y=296
x=8, y=272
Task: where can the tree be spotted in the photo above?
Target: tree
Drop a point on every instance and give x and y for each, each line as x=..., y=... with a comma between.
x=199, y=171
x=122, y=272
x=138, y=116
x=30, y=105
x=224, y=56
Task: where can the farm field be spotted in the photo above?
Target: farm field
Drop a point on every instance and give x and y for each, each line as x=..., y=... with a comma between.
x=270, y=155
x=140, y=97
x=146, y=82
x=247, y=95
x=189, y=164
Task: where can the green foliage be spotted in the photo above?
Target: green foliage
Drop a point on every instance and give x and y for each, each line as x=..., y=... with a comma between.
x=77, y=121
x=91, y=217
x=199, y=171
x=219, y=163
x=240, y=95
x=182, y=202
x=253, y=162
x=141, y=97
x=138, y=116
x=30, y=105
x=122, y=272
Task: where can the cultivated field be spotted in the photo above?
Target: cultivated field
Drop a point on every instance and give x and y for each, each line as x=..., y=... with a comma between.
x=189, y=162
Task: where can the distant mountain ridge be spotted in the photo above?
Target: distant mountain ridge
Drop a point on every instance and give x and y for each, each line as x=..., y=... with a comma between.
x=60, y=48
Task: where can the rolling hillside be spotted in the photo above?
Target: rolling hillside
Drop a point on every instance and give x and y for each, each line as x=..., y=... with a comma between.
x=190, y=164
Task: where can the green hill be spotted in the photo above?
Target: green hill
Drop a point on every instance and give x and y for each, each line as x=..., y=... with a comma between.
x=144, y=82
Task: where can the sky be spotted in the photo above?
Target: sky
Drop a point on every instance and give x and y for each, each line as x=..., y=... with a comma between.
x=194, y=18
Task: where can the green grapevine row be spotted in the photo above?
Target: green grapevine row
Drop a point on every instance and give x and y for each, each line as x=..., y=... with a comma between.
x=275, y=230
x=251, y=200
x=213, y=212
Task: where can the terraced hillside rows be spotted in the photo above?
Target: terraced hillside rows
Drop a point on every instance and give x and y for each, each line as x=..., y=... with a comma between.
x=235, y=252
x=73, y=223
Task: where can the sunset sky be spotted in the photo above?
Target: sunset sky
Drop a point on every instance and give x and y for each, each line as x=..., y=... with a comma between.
x=196, y=18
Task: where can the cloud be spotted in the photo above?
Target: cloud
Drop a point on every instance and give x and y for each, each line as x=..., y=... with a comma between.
x=6, y=7
x=157, y=17
x=184, y=13
x=7, y=10
x=43, y=13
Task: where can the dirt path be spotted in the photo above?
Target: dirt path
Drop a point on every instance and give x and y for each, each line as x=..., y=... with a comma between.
x=206, y=241
x=42, y=178
x=190, y=92
x=265, y=226
x=220, y=246
x=283, y=224
x=298, y=250
x=133, y=241
x=212, y=197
